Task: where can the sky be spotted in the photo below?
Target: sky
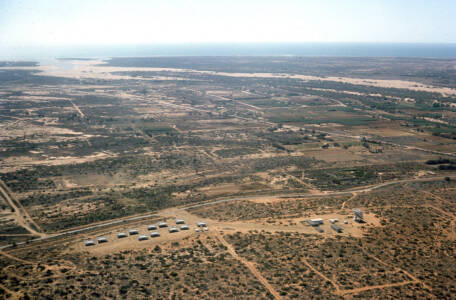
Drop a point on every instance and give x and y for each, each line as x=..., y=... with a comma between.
x=26, y=23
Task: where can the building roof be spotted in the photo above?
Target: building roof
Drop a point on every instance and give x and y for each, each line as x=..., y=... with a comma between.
x=317, y=220
x=173, y=229
x=336, y=228
x=358, y=213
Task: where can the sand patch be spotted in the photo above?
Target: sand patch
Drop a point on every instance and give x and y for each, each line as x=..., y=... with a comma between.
x=96, y=70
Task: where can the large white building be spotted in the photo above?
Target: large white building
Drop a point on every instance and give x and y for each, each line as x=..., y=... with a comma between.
x=315, y=222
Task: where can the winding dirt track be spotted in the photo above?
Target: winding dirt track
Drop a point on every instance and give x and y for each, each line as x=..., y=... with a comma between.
x=336, y=286
x=12, y=294
x=250, y=266
x=374, y=287
x=355, y=194
x=413, y=277
x=16, y=258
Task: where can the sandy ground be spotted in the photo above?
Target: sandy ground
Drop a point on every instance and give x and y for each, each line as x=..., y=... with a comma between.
x=93, y=69
x=115, y=244
x=384, y=131
x=20, y=128
x=17, y=162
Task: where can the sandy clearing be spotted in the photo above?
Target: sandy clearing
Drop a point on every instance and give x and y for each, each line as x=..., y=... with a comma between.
x=390, y=131
x=35, y=98
x=21, y=127
x=115, y=244
x=332, y=155
x=169, y=215
x=96, y=69
x=17, y=162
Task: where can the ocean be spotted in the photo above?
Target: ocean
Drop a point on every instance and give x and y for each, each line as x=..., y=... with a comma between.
x=235, y=49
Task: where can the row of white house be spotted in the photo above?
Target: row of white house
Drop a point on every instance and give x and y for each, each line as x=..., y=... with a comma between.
x=153, y=234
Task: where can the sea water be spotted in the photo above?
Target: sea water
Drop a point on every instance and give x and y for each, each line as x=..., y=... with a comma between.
x=236, y=49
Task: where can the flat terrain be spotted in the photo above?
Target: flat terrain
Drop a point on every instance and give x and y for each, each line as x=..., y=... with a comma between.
x=254, y=147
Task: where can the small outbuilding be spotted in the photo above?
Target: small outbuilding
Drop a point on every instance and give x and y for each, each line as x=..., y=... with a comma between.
x=319, y=229
x=201, y=224
x=154, y=234
x=152, y=227
x=184, y=227
x=358, y=215
x=89, y=243
x=121, y=235
x=133, y=231
x=162, y=224
x=180, y=221
x=102, y=239
x=336, y=228
x=173, y=229
x=142, y=237
x=332, y=221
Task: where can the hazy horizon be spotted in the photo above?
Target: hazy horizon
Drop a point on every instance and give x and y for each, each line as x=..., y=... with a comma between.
x=50, y=24
x=327, y=49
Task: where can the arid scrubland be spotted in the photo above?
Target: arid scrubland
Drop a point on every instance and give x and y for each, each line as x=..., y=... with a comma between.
x=254, y=147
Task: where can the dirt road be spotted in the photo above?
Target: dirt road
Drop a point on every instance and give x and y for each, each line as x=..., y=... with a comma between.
x=250, y=266
x=119, y=221
x=21, y=215
x=373, y=287
x=77, y=109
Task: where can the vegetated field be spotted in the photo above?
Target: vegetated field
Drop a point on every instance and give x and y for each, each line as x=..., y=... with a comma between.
x=132, y=136
x=407, y=252
x=185, y=269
